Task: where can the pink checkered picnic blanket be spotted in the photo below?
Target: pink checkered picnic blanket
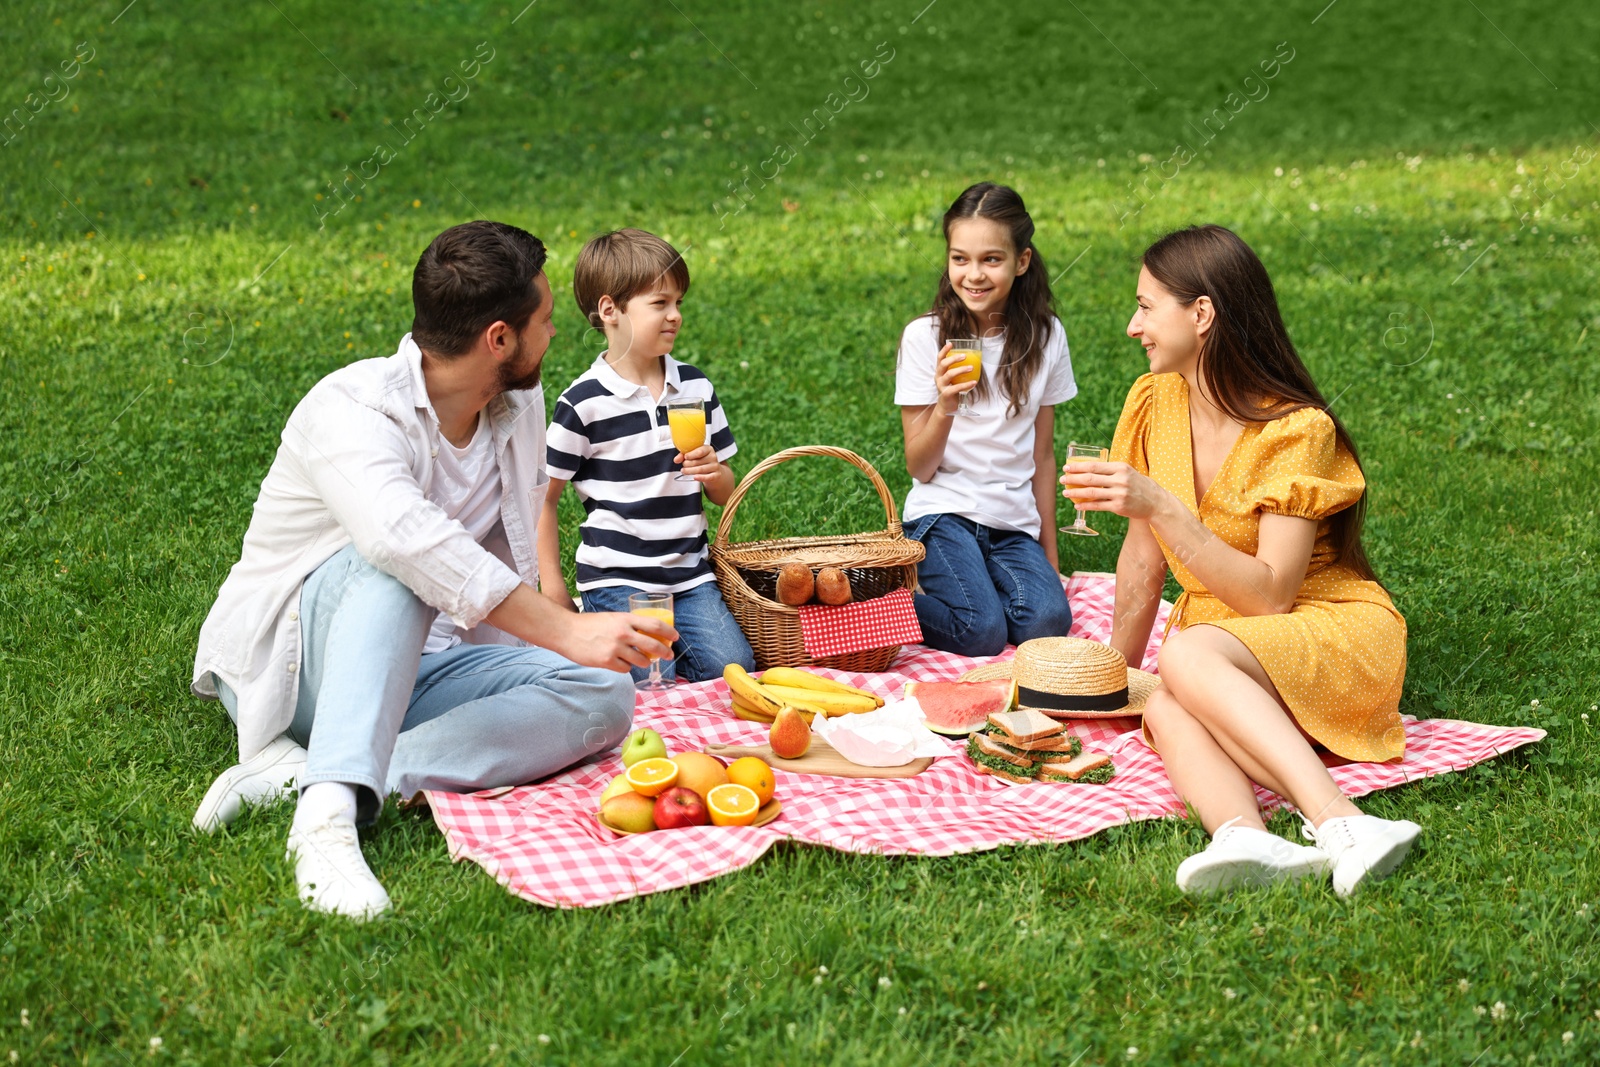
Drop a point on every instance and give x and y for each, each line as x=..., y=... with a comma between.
x=543, y=844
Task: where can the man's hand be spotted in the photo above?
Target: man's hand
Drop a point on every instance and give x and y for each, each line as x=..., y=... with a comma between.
x=617, y=640
x=613, y=640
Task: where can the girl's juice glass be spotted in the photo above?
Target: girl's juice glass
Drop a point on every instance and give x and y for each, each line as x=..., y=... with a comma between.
x=970, y=349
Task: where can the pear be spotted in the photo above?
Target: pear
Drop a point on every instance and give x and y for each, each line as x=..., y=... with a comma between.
x=790, y=737
x=631, y=813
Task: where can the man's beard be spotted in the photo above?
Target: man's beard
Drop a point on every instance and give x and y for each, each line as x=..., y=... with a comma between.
x=508, y=378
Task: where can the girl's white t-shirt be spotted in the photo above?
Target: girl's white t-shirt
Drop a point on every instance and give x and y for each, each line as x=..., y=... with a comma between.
x=986, y=474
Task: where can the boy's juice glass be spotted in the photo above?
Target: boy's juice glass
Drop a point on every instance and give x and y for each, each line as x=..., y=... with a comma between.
x=653, y=606
x=970, y=369
x=686, y=419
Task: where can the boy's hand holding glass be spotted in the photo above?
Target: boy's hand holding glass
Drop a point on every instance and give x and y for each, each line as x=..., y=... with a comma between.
x=686, y=421
x=955, y=378
x=699, y=465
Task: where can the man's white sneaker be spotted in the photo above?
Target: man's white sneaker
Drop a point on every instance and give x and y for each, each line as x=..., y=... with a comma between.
x=330, y=873
x=271, y=773
x=1240, y=856
x=1363, y=848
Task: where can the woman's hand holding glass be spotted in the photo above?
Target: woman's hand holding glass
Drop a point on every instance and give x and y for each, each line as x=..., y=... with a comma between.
x=1113, y=487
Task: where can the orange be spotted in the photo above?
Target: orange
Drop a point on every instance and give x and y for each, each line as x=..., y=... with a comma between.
x=733, y=805
x=753, y=772
x=652, y=777
x=700, y=772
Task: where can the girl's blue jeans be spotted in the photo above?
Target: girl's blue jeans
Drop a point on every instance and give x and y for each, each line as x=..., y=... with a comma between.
x=984, y=588
x=708, y=637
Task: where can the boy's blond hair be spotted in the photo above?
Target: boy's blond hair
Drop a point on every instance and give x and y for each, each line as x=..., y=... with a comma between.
x=622, y=264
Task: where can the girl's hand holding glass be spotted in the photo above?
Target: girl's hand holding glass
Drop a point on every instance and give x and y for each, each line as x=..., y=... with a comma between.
x=954, y=379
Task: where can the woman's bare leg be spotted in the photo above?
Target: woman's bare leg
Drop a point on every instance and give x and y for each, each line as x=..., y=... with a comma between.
x=1219, y=682
x=1201, y=771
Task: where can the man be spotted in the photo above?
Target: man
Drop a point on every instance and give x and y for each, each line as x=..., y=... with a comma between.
x=382, y=631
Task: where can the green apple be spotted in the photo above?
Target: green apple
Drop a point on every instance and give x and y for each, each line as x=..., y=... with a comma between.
x=643, y=744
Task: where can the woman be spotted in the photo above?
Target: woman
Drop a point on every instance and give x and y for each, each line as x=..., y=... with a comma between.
x=1232, y=472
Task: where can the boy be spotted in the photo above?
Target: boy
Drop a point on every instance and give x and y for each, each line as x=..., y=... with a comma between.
x=645, y=529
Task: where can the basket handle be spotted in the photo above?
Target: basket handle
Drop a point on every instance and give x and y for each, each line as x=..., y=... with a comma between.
x=725, y=526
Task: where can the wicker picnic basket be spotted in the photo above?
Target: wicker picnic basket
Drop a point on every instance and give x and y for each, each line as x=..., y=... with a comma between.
x=747, y=573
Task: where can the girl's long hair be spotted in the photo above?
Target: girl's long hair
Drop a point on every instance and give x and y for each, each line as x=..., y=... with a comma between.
x=1247, y=363
x=1030, y=309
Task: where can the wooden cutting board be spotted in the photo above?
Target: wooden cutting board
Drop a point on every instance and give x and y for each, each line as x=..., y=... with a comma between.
x=821, y=758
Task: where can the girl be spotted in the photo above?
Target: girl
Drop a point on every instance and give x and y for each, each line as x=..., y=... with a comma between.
x=1234, y=474
x=983, y=495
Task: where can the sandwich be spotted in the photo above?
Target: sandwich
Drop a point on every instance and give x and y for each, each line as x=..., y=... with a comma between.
x=1093, y=768
x=1063, y=743
x=1022, y=728
x=991, y=758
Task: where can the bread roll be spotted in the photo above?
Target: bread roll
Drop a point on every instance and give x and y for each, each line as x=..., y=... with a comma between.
x=794, y=584
x=832, y=586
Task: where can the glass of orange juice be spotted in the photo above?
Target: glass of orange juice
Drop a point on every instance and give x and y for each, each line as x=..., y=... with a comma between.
x=1077, y=453
x=686, y=419
x=970, y=369
x=652, y=606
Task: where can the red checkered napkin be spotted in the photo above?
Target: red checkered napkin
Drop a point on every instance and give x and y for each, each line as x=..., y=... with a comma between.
x=877, y=623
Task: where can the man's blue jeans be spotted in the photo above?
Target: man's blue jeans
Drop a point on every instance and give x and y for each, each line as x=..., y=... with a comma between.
x=984, y=588
x=375, y=713
x=708, y=636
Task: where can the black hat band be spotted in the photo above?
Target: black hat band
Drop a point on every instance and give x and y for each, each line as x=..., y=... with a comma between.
x=1033, y=698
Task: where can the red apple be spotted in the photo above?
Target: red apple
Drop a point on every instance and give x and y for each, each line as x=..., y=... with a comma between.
x=679, y=806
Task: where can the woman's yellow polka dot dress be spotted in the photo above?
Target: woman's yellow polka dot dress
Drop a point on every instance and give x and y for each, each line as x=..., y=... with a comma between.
x=1339, y=657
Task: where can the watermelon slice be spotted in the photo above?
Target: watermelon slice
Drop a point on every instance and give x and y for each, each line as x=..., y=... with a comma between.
x=958, y=708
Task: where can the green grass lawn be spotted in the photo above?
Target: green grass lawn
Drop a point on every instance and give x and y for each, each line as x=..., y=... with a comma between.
x=1421, y=183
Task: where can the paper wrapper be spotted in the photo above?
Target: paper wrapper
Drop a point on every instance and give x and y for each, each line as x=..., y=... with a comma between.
x=892, y=736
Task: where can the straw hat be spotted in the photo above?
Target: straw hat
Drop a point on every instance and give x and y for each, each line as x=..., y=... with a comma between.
x=1072, y=678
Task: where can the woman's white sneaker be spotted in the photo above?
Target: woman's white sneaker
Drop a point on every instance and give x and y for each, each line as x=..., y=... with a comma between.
x=1241, y=856
x=1363, y=848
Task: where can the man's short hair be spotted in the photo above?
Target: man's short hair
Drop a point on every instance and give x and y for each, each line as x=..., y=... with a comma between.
x=622, y=264
x=471, y=277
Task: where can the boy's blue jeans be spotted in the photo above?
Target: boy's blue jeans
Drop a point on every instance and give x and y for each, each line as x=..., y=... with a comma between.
x=984, y=588
x=708, y=637
x=375, y=713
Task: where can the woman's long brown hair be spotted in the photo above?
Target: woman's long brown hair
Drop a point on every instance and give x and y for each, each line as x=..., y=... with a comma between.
x=1247, y=363
x=1030, y=309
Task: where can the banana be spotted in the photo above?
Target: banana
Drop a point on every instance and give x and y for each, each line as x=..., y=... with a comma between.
x=741, y=712
x=748, y=714
x=832, y=703
x=750, y=691
x=757, y=698
x=795, y=678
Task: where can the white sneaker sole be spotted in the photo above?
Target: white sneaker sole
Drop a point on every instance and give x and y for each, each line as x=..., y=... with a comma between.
x=1223, y=875
x=222, y=802
x=1379, y=859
